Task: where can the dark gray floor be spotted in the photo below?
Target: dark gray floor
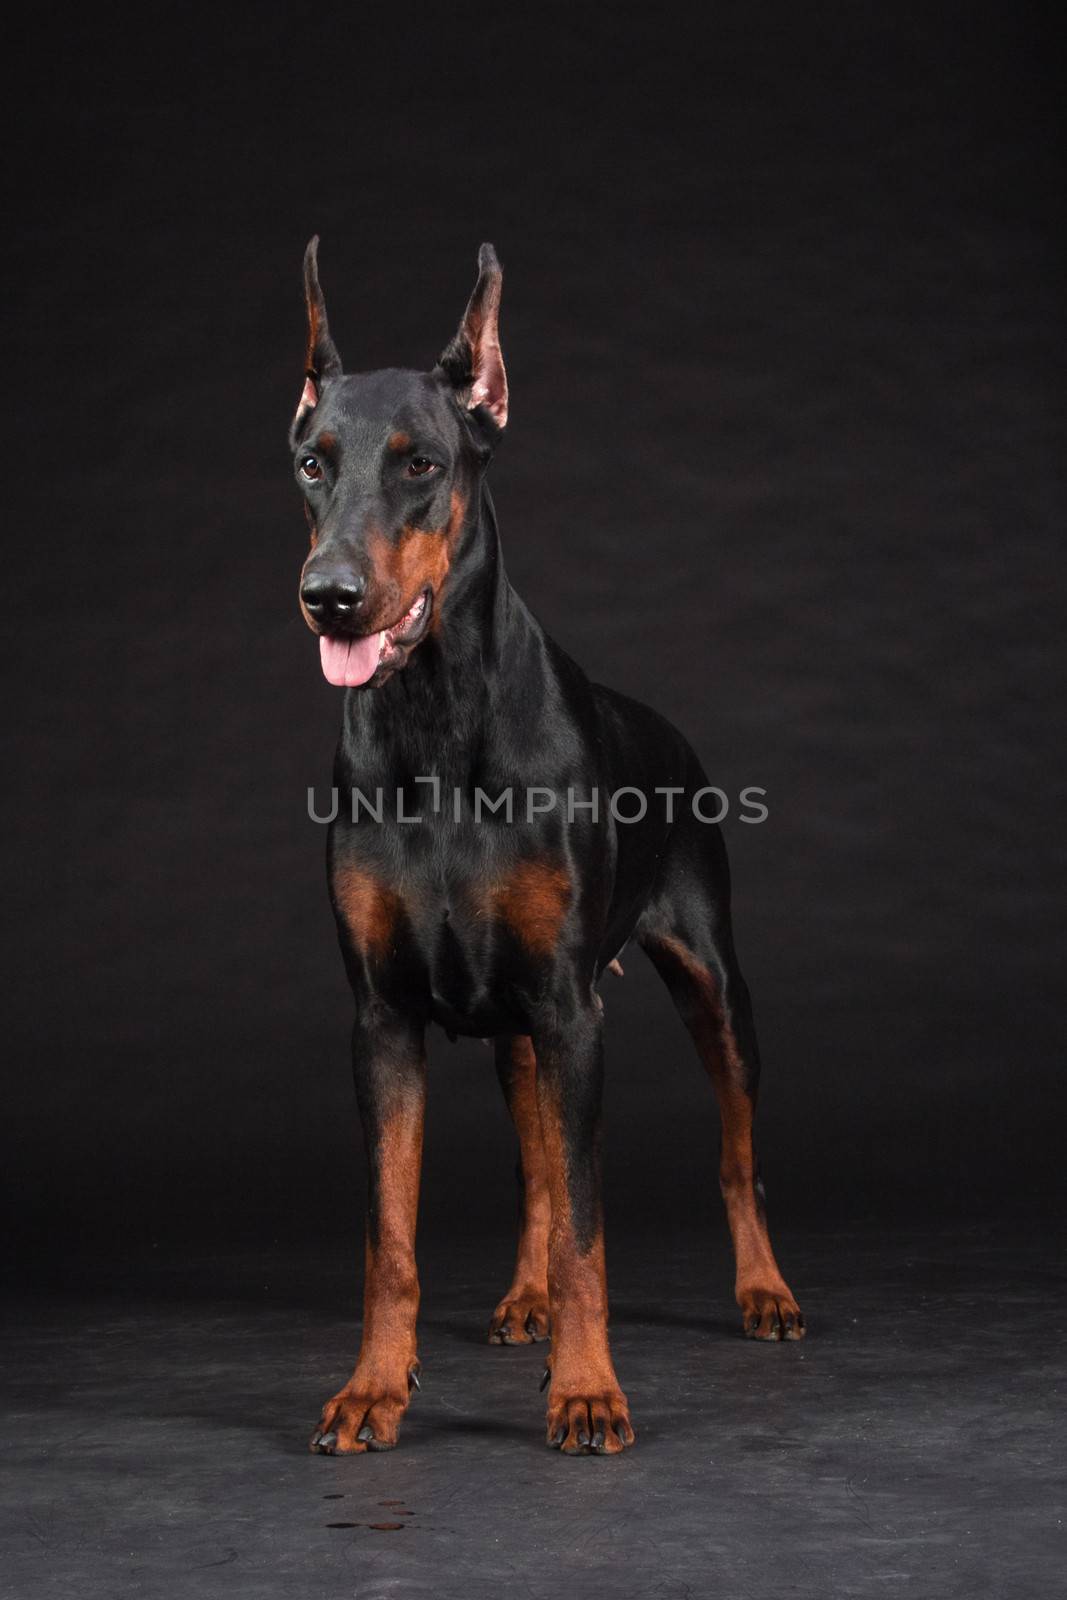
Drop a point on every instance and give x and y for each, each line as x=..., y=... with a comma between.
x=156, y=1427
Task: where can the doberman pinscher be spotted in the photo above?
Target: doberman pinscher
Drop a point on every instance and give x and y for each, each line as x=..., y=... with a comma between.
x=485, y=873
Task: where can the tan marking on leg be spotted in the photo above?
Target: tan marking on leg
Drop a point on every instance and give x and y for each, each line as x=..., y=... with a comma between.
x=585, y=1401
x=377, y=1394
x=522, y=1316
x=391, y=1292
x=766, y=1301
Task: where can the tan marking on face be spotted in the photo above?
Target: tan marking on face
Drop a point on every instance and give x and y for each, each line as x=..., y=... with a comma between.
x=399, y=442
x=369, y=909
x=533, y=902
x=420, y=558
x=325, y=443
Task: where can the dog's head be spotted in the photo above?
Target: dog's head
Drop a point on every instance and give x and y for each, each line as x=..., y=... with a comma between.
x=388, y=464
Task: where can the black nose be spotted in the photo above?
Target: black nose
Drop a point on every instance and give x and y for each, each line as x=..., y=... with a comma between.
x=329, y=597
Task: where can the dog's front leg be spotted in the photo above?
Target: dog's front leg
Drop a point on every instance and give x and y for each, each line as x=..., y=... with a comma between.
x=389, y=1063
x=587, y=1410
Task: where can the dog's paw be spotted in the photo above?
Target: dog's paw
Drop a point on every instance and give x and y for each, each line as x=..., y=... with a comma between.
x=581, y=1424
x=770, y=1313
x=521, y=1317
x=362, y=1417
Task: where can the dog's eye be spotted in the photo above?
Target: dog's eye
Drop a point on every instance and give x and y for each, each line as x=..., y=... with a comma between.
x=419, y=466
x=310, y=469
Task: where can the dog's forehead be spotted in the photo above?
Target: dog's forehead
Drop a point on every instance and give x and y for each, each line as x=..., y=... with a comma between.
x=367, y=404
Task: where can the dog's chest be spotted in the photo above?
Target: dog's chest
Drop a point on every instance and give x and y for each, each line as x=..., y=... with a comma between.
x=473, y=932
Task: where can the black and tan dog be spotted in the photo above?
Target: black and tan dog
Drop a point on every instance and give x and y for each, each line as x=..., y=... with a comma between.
x=496, y=922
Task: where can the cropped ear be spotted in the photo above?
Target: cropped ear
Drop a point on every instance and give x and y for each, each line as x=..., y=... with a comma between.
x=472, y=361
x=322, y=360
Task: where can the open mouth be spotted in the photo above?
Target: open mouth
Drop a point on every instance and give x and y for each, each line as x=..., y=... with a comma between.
x=347, y=663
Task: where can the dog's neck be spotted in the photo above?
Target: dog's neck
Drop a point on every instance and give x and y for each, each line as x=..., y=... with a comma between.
x=439, y=712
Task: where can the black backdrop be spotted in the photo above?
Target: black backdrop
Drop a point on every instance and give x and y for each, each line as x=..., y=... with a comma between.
x=782, y=324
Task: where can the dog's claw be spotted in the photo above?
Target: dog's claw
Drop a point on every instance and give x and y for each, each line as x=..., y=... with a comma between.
x=546, y=1378
x=366, y=1433
x=771, y=1314
x=413, y=1379
x=522, y=1317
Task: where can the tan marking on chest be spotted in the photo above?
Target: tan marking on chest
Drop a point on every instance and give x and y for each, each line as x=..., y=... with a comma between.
x=369, y=909
x=533, y=902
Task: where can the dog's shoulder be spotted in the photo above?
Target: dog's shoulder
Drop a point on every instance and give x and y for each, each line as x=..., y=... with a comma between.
x=635, y=719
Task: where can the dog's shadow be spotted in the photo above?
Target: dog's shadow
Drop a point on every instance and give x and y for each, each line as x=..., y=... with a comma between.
x=633, y=1314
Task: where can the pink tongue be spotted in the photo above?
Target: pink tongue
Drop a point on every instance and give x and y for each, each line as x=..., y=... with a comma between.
x=349, y=662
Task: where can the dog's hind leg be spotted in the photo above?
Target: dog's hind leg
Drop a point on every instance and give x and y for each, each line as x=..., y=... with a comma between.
x=522, y=1315
x=686, y=931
